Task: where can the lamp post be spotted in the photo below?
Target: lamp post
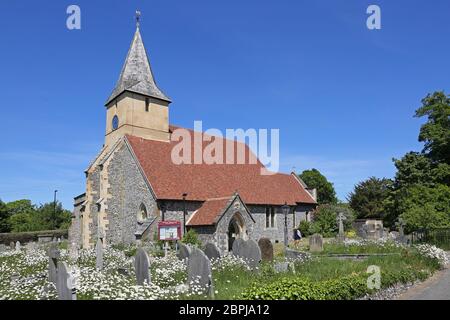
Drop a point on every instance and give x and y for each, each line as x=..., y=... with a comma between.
x=285, y=209
x=184, y=213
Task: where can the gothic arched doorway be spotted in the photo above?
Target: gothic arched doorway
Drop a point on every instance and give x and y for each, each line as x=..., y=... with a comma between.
x=236, y=229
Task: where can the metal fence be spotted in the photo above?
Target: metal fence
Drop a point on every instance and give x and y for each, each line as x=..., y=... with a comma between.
x=438, y=237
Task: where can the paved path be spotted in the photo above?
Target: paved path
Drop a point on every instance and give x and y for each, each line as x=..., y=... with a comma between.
x=435, y=288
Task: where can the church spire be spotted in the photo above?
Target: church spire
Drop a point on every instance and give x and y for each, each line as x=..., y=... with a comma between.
x=136, y=75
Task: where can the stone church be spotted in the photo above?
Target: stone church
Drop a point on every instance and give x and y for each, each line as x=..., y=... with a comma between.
x=132, y=184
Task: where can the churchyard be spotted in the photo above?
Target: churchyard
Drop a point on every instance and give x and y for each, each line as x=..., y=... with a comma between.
x=333, y=269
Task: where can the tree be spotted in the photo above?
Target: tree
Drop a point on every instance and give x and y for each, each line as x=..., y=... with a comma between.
x=435, y=133
x=368, y=197
x=420, y=192
x=325, y=222
x=4, y=216
x=20, y=206
x=24, y=216
x=424, y=207
x=53, y=220
x=325, y=190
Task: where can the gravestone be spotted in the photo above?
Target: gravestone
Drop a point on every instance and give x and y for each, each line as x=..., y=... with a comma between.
x=281, y=267
x=211, y=251
x=316, y=243
x=73, y=251
x=199, y=271
x=142, y=267
x=266, y=247
x=394, y=235
x=401, y=234
x=12, y=245
x=99, y=255
x=294, y=255
x=53, y=256
x=18, y=246
x=236, y=245
x=183, y=251
x=340, y=219
x=3, y=248
x=250, y=252
x=64, y=284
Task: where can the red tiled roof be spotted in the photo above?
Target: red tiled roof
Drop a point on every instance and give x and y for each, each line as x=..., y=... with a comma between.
x=205, y=181
x=208, y=212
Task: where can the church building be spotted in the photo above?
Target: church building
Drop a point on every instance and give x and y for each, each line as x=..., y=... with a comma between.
x=133, y=183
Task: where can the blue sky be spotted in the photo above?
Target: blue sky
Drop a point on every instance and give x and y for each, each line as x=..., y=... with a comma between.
x=342, y=96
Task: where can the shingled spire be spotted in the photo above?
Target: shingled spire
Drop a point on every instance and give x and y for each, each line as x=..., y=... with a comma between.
x=136, y=75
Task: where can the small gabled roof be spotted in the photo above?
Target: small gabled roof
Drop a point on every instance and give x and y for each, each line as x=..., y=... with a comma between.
x=137, y=75
x=212, y=211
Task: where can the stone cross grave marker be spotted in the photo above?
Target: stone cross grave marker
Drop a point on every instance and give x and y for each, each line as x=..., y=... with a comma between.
x=199, y=271
x=64, y=284
x=211, y=251
x=340, y=219
x=401, y=224
x=266, y=247
x=53, y=256
x=316, y=243
x=183, y=251
x=250, y=252
x=142, y=267
x=99, y=255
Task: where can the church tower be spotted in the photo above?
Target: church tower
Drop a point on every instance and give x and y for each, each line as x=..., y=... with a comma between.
x=137, y=106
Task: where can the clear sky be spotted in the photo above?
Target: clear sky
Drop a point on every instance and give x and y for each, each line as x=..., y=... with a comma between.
x=342, y=96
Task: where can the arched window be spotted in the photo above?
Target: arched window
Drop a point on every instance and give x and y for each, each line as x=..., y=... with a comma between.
x=142, y=214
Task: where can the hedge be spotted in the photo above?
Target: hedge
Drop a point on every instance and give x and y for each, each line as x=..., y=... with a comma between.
x=24, y=237
x=343, y=288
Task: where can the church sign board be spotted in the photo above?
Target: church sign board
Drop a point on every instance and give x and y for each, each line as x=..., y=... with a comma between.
x=169, y=230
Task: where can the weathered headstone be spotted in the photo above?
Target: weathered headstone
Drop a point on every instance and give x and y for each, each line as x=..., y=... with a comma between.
x=199, y=271
x=53, y=256
x=316, y=243
x=99, y=255
x=250, y=252
x=183, y=251
x=2, y=248
x=12, y=245
x=394, y=235
x=294, y=254
x=266, y=247
x=236, y=245
x=281, y=267
x=211, y=251
x=142, y=267
x=18, y=246
x=64, y=284
x=73, y=251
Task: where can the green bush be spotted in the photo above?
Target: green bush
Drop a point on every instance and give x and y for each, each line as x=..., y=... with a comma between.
x=305, y=228
x=343, y=288
x=191, y=237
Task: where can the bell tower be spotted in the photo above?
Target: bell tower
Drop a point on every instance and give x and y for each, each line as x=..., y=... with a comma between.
x=137, y=106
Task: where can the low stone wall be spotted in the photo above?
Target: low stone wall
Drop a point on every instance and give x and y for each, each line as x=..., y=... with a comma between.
x=25, y=237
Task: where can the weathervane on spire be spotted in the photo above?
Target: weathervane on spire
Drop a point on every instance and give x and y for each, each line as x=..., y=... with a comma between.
x=138, y=17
